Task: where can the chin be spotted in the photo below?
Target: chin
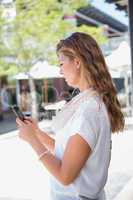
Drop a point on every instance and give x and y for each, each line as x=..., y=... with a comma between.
x=71, y=83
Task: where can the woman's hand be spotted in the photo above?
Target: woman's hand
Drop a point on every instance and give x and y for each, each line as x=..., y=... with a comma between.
x=27, y=129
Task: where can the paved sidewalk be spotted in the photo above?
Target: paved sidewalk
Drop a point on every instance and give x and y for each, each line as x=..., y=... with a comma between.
x=23, y=177
x=121, y=166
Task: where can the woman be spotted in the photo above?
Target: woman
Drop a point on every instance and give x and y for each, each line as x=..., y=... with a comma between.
x=79, y=156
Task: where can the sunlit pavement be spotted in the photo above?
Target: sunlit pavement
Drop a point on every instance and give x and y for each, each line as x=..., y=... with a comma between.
x=23, y=177
x=121, y=166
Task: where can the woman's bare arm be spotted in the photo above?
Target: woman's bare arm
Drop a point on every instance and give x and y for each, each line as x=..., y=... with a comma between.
x=66, y=170
x=76, y=153
x=46, y=139
x=43, y=137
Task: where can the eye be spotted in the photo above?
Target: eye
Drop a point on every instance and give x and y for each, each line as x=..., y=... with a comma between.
x=60, y=64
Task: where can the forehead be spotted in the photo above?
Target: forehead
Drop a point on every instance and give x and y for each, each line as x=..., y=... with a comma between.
x=66, y=53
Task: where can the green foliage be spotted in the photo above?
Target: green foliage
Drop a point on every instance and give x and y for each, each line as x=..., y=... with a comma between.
x=7, y=69
x=97, y=33
x=38, y=26
x=1, y=32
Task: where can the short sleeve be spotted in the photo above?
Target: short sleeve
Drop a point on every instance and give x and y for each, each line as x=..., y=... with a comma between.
x=86, y=124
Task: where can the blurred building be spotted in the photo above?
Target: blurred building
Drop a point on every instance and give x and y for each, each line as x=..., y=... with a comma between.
x=127, y=6
x=92, y=16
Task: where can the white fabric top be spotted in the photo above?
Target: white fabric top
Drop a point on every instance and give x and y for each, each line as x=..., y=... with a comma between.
x=86, y=115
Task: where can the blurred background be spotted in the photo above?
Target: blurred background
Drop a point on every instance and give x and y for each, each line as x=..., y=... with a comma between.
x=29, y=32
x=30, y=78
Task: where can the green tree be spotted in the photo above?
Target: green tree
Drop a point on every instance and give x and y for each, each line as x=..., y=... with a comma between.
x=39, y=25
x=6, y=66
x=36, y=29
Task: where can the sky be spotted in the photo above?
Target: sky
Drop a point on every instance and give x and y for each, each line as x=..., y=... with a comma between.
x=110, y=10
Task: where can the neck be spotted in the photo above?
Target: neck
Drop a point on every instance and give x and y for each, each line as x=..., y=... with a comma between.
x=84, y=86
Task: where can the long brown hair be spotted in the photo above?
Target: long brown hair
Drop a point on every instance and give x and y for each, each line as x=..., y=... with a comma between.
x=84, y=47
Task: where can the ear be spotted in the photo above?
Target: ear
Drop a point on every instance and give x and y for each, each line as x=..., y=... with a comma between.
x=77, y=63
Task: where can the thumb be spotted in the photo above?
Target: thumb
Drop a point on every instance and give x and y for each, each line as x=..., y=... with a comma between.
x=19, y=122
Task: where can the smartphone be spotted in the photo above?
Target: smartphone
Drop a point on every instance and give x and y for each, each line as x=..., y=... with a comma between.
x=18, y=112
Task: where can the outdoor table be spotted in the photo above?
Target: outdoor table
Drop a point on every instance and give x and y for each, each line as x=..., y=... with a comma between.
x=53, y=108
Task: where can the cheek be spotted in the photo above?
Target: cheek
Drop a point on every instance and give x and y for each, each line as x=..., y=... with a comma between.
x=66, y=69
x=73, y=75
x=70, y=67
x=74, y=70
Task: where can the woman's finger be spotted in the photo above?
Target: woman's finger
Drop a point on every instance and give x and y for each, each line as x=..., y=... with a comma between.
x=30, y=119
x=27, y=121
x=18, y=126
x=19, y=122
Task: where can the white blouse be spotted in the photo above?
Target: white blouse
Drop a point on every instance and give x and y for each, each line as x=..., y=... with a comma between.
x=86, y=115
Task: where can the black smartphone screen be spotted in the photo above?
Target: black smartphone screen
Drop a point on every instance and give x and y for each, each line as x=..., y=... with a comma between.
x=18, y=112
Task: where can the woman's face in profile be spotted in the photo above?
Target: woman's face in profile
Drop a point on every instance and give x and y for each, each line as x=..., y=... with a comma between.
x=69, y=69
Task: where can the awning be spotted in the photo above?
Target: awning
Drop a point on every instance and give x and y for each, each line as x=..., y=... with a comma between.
x=39, y=71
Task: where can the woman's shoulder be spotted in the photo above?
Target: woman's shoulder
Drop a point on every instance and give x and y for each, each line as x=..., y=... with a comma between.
x=91, y=104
